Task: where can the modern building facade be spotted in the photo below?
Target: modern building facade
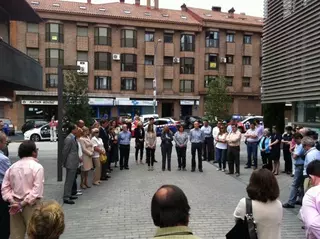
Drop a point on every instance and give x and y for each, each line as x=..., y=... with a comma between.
x=122, y=47
x=291, y=66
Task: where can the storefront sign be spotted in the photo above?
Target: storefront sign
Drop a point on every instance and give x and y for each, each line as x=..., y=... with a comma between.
x=135, y=102
x=39, y=102
x=186, y=102
x=101, y=101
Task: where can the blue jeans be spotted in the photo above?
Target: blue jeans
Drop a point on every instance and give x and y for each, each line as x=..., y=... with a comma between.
x=297, y=185
x=252, y=151
x=221, y=157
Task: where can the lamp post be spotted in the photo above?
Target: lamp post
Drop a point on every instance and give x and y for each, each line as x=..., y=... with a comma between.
x=155, y=76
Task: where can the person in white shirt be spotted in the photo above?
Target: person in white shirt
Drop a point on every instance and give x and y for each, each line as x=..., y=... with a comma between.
x=215, y=132
x=252, y=140
x=208, y=141
x=221, y=148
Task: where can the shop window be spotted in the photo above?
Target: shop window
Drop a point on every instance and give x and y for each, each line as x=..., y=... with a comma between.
x=102, y=36
x=167, y=84
x=32, y=27
x=229, y=59
x=149, y=36
x=82, y=31
x=128, y=62
x=247, y=39
x=187, y=42
x=102, y=83
x=128, y=38
x=54, y=57
x=208, y=80
x=128, y=83
x=168, y=61
x=33, y=53
x=212, y=39
x=102, y=61
x=149, y=60
x=246, y=60
x=187, y=65
x=246, y=81
x=54, y=32
x=82, y=56
x=168, y=37
x=148, y=84
x=186, y=86
x=230, y=37
x=229, y=81
x=51, y=81
x=211, y=62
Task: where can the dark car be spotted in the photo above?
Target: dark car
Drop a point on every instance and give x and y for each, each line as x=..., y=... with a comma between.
x=31, y=124
x=8, y=126
x=188, y=121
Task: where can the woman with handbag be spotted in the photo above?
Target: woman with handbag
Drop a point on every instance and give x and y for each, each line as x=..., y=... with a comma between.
x=139, y=135
x=266, y=210
x=166, y=147
x=99, y=152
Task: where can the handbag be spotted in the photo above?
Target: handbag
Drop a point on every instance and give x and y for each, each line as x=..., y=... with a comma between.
x=244, y=229
x=103, y=158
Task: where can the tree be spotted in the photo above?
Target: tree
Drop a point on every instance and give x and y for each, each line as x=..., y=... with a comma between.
x=217, y=100
x=75, y=95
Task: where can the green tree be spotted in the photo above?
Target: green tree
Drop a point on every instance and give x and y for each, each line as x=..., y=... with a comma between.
x=76, y=100
x=217, y=100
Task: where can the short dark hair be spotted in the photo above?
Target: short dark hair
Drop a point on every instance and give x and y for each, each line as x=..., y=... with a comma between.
x=297, y=136
x=26, y=149
x=103, y=121
x=180, y=126
x=313, y=168
x=289, y=128
x=72, y=126
x=171, y=209
x=263, y=186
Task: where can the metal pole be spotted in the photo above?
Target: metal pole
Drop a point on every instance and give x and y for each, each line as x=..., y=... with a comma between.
x=60, y=119
x=155, y=77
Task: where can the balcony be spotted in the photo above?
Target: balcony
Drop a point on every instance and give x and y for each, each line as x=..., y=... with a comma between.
x=18, y=71
x=230, y=69
x=168, y=49
x=231, y=48
x=247, y=71
x=247, y=50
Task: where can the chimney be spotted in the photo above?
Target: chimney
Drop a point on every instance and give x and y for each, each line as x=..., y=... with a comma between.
x=216, y=9
x=184, y=7
x=231, y=13
x=149, y=4
x=89, y=1
x=137, y=2
x=122, y=1
x=156, y=4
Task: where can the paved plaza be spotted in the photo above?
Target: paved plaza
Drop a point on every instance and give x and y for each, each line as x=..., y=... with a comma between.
x=120, y=207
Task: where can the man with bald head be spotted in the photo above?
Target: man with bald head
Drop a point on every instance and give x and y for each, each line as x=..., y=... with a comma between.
x=81, y=124
x=170, y=212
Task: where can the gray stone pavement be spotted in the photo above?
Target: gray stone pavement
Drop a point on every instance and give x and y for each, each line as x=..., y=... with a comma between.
x=120, y=207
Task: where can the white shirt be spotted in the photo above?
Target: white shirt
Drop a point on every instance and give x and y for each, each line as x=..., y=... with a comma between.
x=215, y=132
x=97, y=142
x=221, y=145
x=207, y=131
x=251, y=132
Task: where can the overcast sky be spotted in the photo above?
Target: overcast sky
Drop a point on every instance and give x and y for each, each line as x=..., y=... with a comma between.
x=250, y=7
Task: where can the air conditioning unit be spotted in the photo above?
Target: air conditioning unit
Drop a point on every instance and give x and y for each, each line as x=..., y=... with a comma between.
x=116, y=57
x=83, y=67
x=176, y=60
x=223, y=60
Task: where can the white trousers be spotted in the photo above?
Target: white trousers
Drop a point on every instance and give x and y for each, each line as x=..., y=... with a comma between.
x=53, y=133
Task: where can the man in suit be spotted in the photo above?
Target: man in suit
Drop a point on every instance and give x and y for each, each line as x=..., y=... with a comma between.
x=70, y=157
x=103, y=134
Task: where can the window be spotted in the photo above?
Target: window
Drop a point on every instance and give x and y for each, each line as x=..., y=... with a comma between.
x=51, y=81
x=229, y=59
x=102, y=61
x=102, y=83
x=149, y=36
x=212, y=39
x=128, y=38
x=54, y=57
x=168, y=61
x=128, y=84
x=82, y=31
x=230, y=37
x=246, y=39
x=32, y=27
x=167, y=84
x=128, y=62
x=186, y=86
x=211, y=62
x=229, y=81
x=187, y=42
x=102, y=36
x=33, y=53
x=148, y=84
x=187, y=65
x=148, y=60
x=168, y=37
x=246, y=81
x=208, y=80
x=246, y=60
x=54, y=32
x=82, y=56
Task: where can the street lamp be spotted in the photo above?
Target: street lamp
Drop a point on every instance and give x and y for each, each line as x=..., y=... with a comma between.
x=155, y=76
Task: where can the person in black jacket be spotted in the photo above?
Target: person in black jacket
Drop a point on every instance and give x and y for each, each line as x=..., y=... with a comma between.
x=139, y=134
x=286, y=141
x=104, y=135
x=166, y=147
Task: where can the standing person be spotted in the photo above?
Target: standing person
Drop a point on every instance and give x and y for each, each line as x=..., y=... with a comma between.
x=286, y=140
x=87, y=150
x=98, y=149
x=139, y=134
x=181, y=140
x=114, y=153
x=53, y=130
x=233, y=140
x=104, y=135
x=151, y=122
x=291, y=149
x=221, y=148
x=5, y=149
x=196, y=139
x=215, y=132
x=252, y=146
x=166, y=147
x=275, y=150
x=75, y=191
x=208, y=141
x=80, y=124
x=151, y=143
x=124, y=143
x=265, y=150
x=70, y=158
x=22, y=187
x=4, y=206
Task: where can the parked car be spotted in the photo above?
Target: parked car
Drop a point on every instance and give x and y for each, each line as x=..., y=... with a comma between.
x=244, y=125
x=38, y=134
x=8, y=126
x=146, y=118
x=31, y=124
x=161, y=122
x=188, y=121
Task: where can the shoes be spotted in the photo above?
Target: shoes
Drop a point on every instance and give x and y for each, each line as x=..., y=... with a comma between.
x=223, y=170
x=82, y=186
x=96, y=184
x=152, y=168
x=246, y=167
x=229, y=173
x=104, y=179
x=298, y=203
x=108, y=176
x=141, y=162
x=169, y=169
x=200, y=170
x=215, y=161
x=218, y=169
x=237, y=174
x=254, y=168
x=287, y=205
x=155, y=161
x=87, y=186
x=126, y=168
x=68, y=202
x=73, y=198
x=78, y=194
x=149, y=168
x=184, y=169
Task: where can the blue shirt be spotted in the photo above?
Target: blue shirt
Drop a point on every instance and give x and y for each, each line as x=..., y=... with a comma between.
x=311, y=154
x=4, y=165
x=196, y=136
x=300, y=152
x=207, y=131
x=124, y=138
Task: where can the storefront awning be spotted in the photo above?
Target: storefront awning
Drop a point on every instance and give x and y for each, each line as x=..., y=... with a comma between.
x=5, y=99
x=18, y=10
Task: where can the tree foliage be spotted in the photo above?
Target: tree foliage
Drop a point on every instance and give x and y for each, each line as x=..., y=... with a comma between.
x=76, y=100
x=217, y=100
x=273, y=115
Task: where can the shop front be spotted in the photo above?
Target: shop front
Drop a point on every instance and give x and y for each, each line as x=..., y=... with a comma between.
x=189, y=107
x=134, y=107
x=40, y=109
x=101, y=107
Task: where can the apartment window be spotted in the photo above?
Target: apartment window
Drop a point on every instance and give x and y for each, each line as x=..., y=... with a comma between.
x=167, y=84
x=229, y=81
x=33, y=53
x=187, y=65
x=51, y=81
x=128, y=62
x=102, y=36
x=230, y=37
x=102, y=61
x=82, y=31
x=186, y=86
x=168, y=37
x=229, y=59
x=128, y=83
x=32, y=27
x=128, y=38
x=212, y=39
x=246, y=81
x=208, y=80
x=211, y=62
x=168, y=61
x=149, y=60
x=187, y=42
x=246, y=60
x=149, y=36
x=148, y=84
x=82, y=56
x=54, y=57
x=247, y=39
x=54, y=32
x=102, y=83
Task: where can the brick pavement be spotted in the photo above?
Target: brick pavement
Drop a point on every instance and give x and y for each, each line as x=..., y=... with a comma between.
x=120, y=208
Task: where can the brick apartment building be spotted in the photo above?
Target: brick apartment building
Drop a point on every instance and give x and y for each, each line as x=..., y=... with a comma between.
x=117, y=42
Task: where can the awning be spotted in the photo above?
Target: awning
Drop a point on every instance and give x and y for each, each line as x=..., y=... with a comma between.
x=5, y=99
